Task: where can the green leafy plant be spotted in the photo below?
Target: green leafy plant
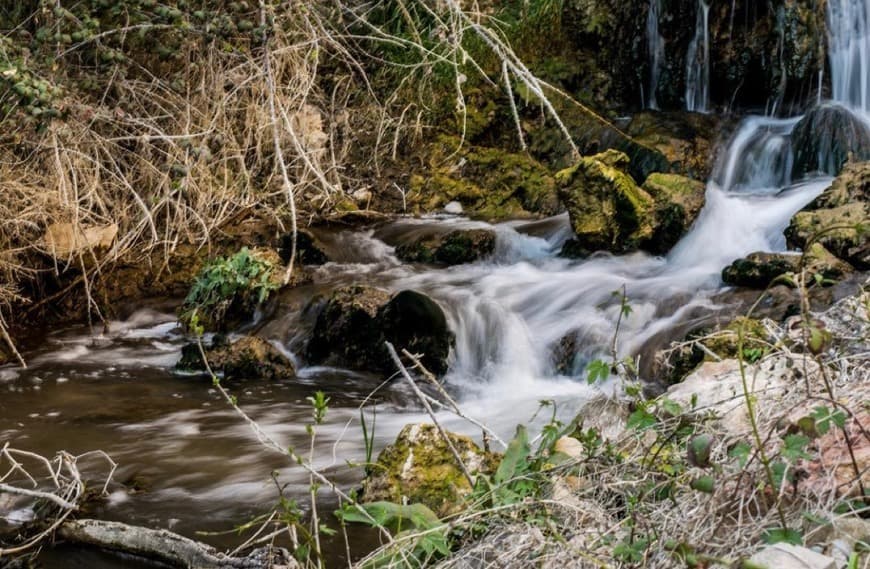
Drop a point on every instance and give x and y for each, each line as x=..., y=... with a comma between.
x=414, y=522
x=230, y=287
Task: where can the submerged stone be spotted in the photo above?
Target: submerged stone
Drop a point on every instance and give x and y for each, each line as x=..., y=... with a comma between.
x=420, y=468
x=454, y=248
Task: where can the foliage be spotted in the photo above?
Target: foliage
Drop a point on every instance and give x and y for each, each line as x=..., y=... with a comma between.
x=413, y=522
x=229, y=286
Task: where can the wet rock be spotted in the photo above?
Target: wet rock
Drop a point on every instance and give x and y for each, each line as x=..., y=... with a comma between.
x=453, y=248
x=574, y=249
x=565, y=351
x=826, y=137
x=308, y=249
x=420, y=468
x=608, y=211
x=759, y=270
x=678, y=201
x=841, y=230
x=250, y=357
x=346, y=328
x=353, y=325
x=415, y=322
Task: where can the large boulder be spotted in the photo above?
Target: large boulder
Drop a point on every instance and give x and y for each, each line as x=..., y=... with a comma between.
x=250, y=357
x=420, y=468
x=453, y=248
x=415, y=322
x=346, y=328
x=352, y=327
x=826, y=138
x=842, y=230
x=608, y=211
x=678, y=202
x=838, y=218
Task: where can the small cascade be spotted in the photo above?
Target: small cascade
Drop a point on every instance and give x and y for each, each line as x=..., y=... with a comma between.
x=849, y=51
x=656, y=47
x=698, y=63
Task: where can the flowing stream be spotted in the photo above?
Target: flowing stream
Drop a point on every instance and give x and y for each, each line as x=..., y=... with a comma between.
x=195, y=465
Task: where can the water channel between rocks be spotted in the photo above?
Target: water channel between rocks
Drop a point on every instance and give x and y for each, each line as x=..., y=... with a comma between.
x=196, y=466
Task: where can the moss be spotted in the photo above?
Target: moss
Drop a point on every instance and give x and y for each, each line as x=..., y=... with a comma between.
x=607, y=209
x=420, y=468
x=492, y=183
x=841, y=230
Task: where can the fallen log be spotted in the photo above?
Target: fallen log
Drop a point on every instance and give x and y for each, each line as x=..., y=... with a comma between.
x=167, y=547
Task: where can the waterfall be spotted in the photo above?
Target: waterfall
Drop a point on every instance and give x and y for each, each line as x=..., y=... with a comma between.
x=698, y=63
x=849, y=51
x=656, y=47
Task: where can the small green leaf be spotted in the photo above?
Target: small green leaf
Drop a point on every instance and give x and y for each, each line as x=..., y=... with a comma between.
x=706, y=484
x=741, y=452
x=597, y=370
x=783, y=535
x=641, y=420
x=795, y=447
x=699, y=449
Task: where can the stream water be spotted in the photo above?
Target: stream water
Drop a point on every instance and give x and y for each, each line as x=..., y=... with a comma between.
x=195, y=465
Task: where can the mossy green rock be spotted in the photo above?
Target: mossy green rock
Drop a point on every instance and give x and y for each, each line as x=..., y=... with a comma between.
x=842, y=230
x=678, y=201
x=250, y=357
x=420, y=468
x=608, y=211
x=758, y=270
x=491, y=183
x=851, y=186
x=453, y=248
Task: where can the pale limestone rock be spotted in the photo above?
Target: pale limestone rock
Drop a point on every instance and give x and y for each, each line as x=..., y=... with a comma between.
x=787, y=556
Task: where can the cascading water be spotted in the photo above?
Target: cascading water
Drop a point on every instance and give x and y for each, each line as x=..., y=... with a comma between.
x=656, y=47
x=849, y=51
x=508, y=313
x=698, y=63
